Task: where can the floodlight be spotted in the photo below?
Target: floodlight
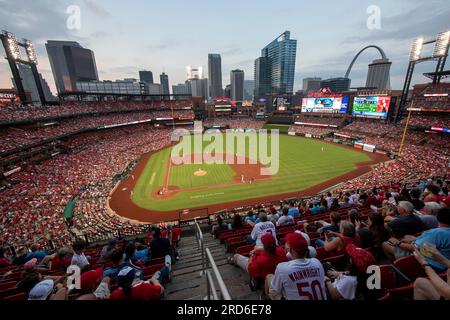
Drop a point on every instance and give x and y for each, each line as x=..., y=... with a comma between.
x=31, y=53
x=441, y=45
x=416, y=49
x=12, y=47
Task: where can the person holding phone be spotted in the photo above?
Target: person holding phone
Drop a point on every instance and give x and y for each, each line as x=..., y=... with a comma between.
x=433, y=287
x=438, y=238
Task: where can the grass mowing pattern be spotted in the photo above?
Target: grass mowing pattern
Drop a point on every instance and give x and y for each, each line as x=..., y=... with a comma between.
x=302, y=165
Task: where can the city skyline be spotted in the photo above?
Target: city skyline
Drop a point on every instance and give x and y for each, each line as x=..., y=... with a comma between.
x=321, y=51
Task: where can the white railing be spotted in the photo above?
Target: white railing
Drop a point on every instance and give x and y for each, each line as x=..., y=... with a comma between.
x=209, y=269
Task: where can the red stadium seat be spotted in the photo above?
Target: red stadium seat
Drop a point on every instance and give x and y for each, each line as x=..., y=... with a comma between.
x=245, y=250
x=402, y=293
x=18, y=296
x=338, y=262
x=388, y=276
x=321, y=253
x=234, y=245
x=7, y=285
x=148, y=271
x=410, y=268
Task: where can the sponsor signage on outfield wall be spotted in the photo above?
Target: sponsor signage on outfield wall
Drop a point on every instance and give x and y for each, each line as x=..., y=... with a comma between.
x=368, y=147
x=291, y=133
x=365, y=147
x=316, y=124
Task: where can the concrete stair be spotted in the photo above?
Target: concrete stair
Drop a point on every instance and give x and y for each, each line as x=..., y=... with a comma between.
x=188, y=283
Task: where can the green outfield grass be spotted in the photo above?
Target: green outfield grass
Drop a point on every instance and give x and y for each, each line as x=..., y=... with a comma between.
x=181, y=176
x=281, y=127
x=303, y=164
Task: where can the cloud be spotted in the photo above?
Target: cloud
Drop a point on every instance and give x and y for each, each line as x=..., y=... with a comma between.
x=231, y=50
x=36, y=19
x=97, y=10
x=424, y=20
x=162, y=45
x=98, y=34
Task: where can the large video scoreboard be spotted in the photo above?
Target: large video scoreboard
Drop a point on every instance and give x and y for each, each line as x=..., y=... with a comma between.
x=371, y=106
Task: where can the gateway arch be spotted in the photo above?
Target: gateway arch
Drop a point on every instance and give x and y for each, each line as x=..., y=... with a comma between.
x=378, y=75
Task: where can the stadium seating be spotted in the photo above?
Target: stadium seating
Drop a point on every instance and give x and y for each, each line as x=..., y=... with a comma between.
x=33, y=199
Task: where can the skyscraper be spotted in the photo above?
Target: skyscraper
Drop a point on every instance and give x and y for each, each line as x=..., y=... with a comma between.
x=237, y=85
x=281, y=54
x=146, y=76
x=379, y=74
x=311, y=84
x=336, y=85
x=227, y=91
x=164, y=78
x=155, y=88
x=194, y=72
x=199, y=85
x=199, y=88
x=249, y=87
x=215, y=75
x=70, y=62
x=181, y=88
x=262, y=77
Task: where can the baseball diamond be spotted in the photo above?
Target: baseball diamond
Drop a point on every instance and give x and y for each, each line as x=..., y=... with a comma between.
x=161, y=190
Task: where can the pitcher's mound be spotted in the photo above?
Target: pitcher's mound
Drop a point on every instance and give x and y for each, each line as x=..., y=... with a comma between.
x=200, y=173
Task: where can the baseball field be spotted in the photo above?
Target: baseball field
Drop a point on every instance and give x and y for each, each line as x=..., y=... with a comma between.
x=159, y=189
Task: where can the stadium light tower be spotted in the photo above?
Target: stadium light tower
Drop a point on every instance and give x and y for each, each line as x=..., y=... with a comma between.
x=416, y=50
x=11, y=46
x=440, y=53
x=30, y=51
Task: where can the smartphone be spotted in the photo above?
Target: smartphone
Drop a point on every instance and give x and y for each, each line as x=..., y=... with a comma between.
x=426, y=249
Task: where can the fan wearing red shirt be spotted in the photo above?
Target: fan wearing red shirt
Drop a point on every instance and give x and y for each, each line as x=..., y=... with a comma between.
x=176, y=232
x=261, y=261
x=131, y=287
x=61, y=260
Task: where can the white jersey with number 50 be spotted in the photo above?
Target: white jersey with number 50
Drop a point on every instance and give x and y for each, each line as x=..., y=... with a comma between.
x=300, y=279
x=260, y=229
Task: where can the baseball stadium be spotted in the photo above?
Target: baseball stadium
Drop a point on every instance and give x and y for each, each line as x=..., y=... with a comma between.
x=158, y=191
x=134, y=190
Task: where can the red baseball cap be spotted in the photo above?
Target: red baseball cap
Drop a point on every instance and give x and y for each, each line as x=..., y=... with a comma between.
x=90, y=278
x=267, y=240
x=297, y=242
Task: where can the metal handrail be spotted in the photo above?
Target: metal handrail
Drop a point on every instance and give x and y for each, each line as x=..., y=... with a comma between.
x=222, y=287
x=201, y=246
x=208, y=264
